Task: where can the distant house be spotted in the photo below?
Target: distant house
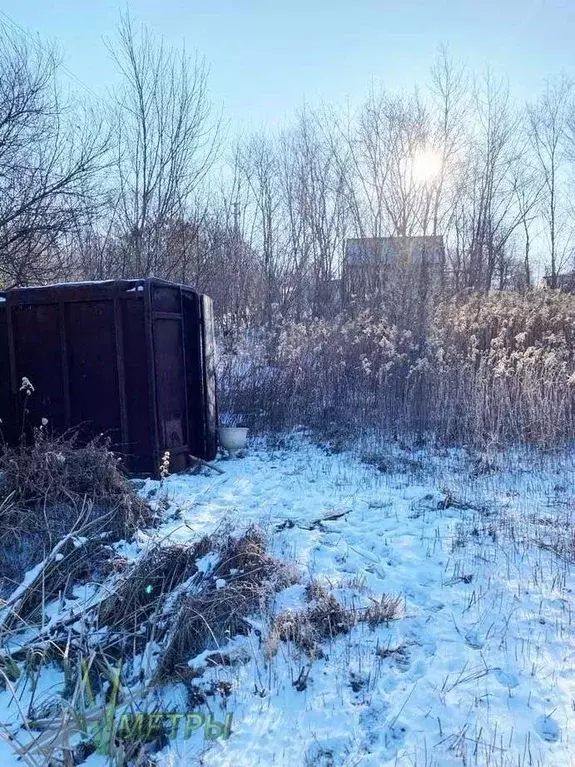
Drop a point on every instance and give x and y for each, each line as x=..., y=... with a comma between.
x=564, y=281
x=370, y=262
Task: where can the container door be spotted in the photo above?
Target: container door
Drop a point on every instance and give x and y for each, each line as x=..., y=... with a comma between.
x=209, y=375
x=170, y=376
x=37, y=331
x=7, y=407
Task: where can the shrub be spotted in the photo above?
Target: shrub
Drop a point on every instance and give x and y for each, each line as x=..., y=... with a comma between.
x=53, y=484
x=484, y=369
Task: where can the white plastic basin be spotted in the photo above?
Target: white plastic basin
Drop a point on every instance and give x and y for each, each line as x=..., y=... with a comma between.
x=232, y=438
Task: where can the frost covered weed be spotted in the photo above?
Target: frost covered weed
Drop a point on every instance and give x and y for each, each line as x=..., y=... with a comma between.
x=48, y=485
x=486, y=370
x=325, y=617
x=165, y=465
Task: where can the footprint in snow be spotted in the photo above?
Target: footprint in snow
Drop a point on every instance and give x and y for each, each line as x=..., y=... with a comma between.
x=548, y=729
x=370, y=720
x=389, y=684
x=506, y=679
x=328, y=754
x=416, y=671
x=395, y=736
x=474, y=641
x=418, y=635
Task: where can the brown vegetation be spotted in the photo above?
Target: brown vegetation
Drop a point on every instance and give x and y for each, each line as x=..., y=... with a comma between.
x=489, y=370
x=56, y=487
x=324, y=618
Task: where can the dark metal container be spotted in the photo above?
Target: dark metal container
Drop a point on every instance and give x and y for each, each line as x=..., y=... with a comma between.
x=132, y=359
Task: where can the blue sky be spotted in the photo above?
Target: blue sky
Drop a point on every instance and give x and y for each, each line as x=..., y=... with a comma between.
x=267, y=58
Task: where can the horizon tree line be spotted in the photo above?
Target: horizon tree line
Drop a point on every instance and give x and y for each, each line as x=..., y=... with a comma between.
x=146, y=182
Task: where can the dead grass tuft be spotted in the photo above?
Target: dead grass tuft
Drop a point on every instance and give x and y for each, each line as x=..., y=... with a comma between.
x=145, y=586
x=382, y=610
x=325, y=618
x=242, y=582
x=48, y=486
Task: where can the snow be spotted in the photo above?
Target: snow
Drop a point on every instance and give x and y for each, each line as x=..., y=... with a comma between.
x=207, y=563
x=481, y=668
x=478, y=670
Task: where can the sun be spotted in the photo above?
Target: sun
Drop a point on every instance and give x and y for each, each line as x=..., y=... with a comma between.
x=425, y=165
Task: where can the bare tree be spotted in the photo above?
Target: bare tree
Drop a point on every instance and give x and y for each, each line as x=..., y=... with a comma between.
x=390, y=130
x=166, y=143
x=258, y=161
x=314, y=201
x=487, y=216
x=548, y=119
x=49, y=163
x=528, y=189
x=449, y=110
x=294, y=189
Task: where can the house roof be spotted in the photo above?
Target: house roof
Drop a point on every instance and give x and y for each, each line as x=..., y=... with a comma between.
x=363, y=251
x=564, y=280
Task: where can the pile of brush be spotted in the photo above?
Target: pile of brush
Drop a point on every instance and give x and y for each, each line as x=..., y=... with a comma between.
x=57, y=487
x=164, y=617
x=182, y=598
x=193, y=597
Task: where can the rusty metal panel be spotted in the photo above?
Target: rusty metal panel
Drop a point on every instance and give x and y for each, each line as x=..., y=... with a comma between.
x=200, y=374
x=130, y=358
x=139, y=451
x=171, y=390
x=7, y=406
x=194, y=371
x=151, y=379
x=93, y=367
x=166, y=298
x=37, y=355
x=76, y=291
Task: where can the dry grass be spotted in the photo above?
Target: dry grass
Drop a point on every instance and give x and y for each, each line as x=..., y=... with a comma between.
x=60, y=472
x=483, y=370
x=243, y=581
x=140, y=593
x=324, y=618
x=48, y=487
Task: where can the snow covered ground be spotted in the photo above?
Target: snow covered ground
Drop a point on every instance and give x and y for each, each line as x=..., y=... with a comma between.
x=480, y=667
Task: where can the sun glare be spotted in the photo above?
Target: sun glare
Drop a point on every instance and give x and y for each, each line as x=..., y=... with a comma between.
x=425, y=166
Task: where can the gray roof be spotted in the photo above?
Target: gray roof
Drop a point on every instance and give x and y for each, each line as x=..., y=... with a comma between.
x=364, y=251
x=564, y=280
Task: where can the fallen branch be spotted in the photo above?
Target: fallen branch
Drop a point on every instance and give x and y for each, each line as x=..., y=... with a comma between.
x=18, y=596
x=49, y=633
x=317, y=524
x=330, y=518
x=201, y=462
x=32, y=592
